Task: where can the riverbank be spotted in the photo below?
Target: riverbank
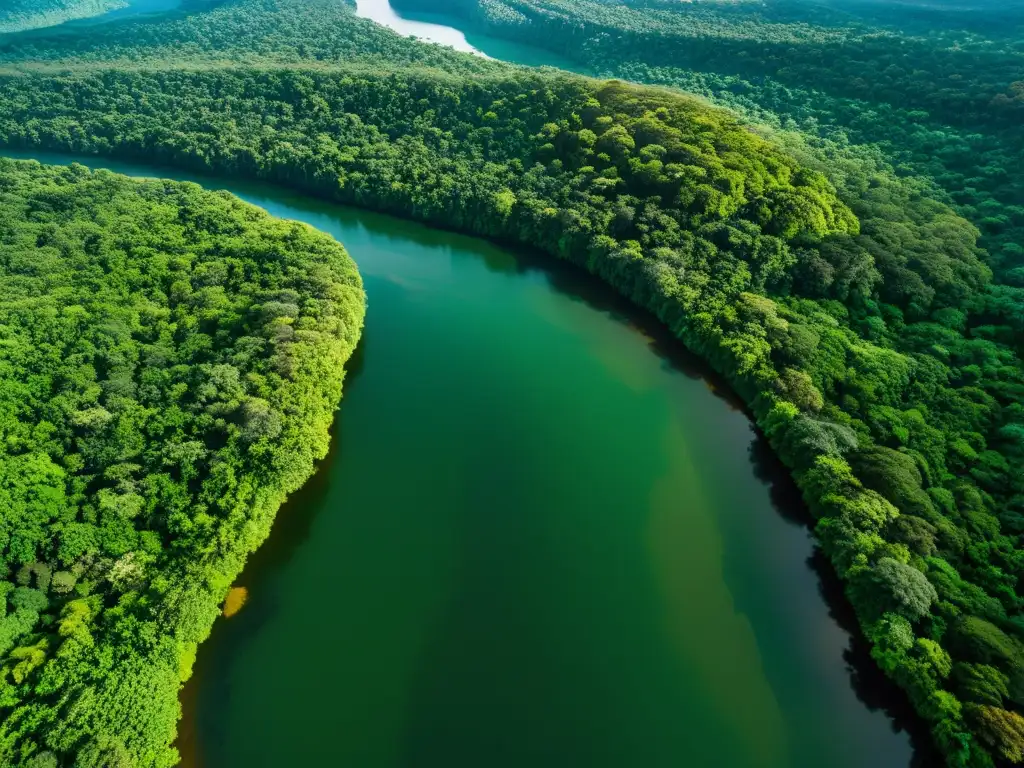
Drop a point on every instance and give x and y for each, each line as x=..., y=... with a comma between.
x=476, y=510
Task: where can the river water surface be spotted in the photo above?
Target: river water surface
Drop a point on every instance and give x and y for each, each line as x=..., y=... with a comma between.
x=541, y=540
x=444, y=29
x=131, y=9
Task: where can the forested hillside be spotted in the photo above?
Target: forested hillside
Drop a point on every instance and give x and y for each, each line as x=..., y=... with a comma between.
x=938, y=91
x=239, y=31
x=171, y=363
x=18, y=15
x=850, y=302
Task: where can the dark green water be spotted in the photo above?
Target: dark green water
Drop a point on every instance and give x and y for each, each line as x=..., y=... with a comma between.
x=541, y=540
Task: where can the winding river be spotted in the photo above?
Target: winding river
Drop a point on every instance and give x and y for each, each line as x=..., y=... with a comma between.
x=133, y=9
x=442, y=29
x=543, y=538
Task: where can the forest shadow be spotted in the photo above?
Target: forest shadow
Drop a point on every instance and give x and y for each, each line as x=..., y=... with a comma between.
x=869, y=684
x=291, y=529
x=579, y=286
x=872, y=688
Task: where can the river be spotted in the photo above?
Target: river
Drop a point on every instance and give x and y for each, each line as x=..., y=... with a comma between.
x=443, y=30
x=543, y=538
x=132, y=9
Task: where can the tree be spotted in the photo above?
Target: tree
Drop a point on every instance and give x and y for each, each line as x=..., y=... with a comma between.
x=1001, y=729
x=980, y=684
x=892, y=586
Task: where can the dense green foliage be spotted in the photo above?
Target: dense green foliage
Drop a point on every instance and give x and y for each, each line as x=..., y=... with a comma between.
x=171, y=362
x=250, y=32
x=18, y=15
x=932, y=91
x=852, y=305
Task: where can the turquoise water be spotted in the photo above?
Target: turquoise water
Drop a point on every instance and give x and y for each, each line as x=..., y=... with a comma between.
x=443, y=29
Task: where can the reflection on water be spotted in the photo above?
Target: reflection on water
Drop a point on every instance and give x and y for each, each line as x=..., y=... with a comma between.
x=445, y=30
x=381, y=12
x=138, y=8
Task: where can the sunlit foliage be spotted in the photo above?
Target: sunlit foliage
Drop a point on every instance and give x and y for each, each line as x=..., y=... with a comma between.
x=170, y=363
x=849, y=301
